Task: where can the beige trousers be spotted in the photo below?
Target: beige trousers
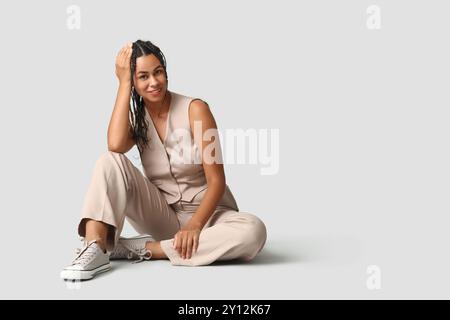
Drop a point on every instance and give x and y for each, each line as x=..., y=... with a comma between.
x=119, y=190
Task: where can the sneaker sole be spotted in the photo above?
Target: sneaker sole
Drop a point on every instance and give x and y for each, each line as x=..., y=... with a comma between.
x=84, y=274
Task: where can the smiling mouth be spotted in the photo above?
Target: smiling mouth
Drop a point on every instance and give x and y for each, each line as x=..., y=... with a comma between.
x=155, y=91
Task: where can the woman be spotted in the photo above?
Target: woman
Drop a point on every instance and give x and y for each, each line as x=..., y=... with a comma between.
x=182, y=199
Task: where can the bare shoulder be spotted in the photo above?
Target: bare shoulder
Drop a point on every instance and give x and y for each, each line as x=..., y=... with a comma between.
x=198, y=107
x=199, y=110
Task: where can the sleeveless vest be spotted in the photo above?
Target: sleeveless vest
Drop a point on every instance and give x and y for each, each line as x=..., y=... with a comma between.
x=174, y=165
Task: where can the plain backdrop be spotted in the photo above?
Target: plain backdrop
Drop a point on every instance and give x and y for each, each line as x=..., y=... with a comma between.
x=362, y=116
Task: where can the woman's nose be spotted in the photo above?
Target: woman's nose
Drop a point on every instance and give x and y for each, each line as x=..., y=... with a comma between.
x=153, y=80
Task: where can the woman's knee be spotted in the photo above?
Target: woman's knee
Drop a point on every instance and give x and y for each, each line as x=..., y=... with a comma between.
x=254, y=233
x=108, y=159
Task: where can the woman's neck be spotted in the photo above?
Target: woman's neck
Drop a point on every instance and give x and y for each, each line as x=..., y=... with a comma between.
x=159, y=108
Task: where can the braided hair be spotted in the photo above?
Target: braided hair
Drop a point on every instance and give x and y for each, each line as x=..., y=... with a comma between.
x=139, y=125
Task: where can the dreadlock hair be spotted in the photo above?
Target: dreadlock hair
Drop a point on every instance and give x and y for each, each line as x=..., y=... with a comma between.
x=139, y=124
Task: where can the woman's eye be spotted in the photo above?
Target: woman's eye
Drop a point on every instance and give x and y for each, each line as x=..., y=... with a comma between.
x=142, y=77
x=158, y=71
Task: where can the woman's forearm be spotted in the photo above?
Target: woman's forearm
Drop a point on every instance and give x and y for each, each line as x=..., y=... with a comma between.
x=119, y=125
x=211, y=198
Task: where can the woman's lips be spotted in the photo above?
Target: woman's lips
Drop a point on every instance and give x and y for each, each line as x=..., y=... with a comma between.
x=155, y=93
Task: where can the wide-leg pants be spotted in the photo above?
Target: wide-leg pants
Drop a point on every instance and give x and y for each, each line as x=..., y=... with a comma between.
x=119, y=190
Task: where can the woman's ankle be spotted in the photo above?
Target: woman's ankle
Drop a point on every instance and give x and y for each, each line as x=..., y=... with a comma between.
x=155, y=248
x=100, y=242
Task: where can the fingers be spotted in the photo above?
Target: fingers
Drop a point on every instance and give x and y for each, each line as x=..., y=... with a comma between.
x=124, y=55
x=128, y=57
x=178, y=243
x=185, y=243
x=183, y=246
x=195, y=245
x=175, y=242
x=190, y=242
x=119, y=55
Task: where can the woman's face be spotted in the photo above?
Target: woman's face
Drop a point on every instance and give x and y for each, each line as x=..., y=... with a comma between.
x=149, y=78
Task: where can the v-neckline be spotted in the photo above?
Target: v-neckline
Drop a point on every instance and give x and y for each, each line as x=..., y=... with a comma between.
x=163, y=142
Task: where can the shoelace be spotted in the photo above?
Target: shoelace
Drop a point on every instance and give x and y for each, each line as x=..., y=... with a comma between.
x=143, y=254
x=84, y=255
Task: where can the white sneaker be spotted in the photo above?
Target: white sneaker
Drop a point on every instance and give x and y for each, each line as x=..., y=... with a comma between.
x=90, y=261
x=132, y=248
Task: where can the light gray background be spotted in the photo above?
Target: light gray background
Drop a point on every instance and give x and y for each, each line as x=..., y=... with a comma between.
x=364, y=156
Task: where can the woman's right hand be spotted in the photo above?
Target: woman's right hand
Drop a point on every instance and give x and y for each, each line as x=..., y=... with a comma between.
x=123, y=67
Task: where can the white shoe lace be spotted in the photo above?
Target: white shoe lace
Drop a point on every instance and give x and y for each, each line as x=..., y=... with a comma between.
x=143, y=254
x=84, y=254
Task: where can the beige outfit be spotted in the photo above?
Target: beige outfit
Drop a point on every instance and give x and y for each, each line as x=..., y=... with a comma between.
x=162, y=199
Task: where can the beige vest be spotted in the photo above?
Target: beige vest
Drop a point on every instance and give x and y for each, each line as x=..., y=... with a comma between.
x=174, y=166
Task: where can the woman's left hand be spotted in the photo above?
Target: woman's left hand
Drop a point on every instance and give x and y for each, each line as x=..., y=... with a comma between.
x=186, y=241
